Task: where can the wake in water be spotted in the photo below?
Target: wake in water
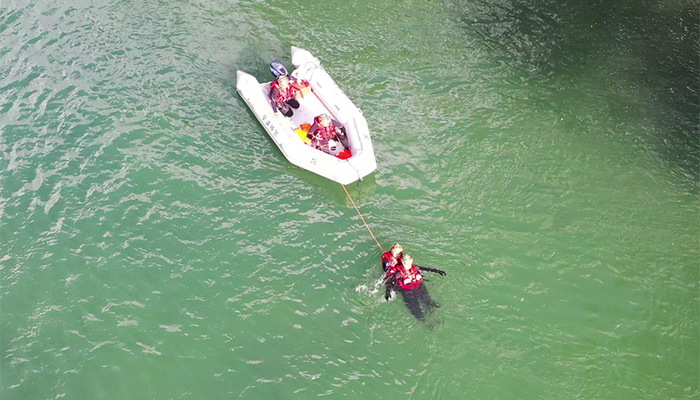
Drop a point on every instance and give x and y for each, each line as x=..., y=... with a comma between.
x=372, y=290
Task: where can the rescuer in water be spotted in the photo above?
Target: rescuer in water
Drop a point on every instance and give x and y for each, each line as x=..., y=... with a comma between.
x=406, y=278
x=391, y=259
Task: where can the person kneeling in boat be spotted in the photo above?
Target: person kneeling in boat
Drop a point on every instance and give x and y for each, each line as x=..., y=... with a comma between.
x=408, y=280
x=325, y=133
x=283, y=95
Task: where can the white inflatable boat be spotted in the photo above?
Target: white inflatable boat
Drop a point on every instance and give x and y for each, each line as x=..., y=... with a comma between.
x=325, y=97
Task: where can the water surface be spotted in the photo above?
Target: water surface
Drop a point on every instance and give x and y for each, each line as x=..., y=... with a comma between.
x=155, y=243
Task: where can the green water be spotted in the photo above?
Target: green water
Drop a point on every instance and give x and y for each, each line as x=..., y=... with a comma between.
x=156, y=245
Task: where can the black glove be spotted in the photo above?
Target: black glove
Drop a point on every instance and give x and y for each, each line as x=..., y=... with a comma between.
x=387, y=295
x=435, y=270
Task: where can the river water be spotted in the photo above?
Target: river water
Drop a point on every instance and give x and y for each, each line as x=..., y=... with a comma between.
x=156, y=245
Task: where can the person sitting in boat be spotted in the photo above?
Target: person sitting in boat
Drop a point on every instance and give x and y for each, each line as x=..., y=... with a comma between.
x=325, y=132
x=408, y=280
x=283, y=95
x=390, y=259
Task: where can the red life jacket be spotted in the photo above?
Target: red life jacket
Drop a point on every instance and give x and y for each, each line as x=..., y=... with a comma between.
x=324, y=132
x=282, y=94
x=410, y=279
x=390, y=262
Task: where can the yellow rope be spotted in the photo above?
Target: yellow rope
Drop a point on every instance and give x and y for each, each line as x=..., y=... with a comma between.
x=363, y=218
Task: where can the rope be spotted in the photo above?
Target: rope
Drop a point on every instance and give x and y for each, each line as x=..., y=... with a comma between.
x=361, y=217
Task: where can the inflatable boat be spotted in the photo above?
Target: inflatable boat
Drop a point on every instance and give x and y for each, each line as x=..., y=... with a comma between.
x=319, y=94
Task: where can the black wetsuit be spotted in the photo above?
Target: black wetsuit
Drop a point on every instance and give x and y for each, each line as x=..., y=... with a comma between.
x=417, y=298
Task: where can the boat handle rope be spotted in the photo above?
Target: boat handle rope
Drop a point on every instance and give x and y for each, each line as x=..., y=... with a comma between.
x=361, y=217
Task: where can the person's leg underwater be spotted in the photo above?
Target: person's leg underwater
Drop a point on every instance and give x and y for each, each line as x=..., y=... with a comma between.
x=424, y=297
x=411, y=299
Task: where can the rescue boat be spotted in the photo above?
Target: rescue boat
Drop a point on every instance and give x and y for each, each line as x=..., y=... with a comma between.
x=321, y=96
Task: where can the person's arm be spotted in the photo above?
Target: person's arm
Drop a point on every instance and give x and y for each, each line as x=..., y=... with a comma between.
x=273, y=99
x=294, y=92
x=435, y=270
x=312, y=131
x=338, y=127
x=389, y=281
x=385, y=264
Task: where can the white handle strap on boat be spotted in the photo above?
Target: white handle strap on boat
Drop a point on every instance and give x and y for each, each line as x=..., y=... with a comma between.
x=362, y=218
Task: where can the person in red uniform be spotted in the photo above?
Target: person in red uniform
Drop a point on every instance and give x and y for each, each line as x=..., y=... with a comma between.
x=283, y=95
x=325, y=132
x=390, y=259
x=408, y=280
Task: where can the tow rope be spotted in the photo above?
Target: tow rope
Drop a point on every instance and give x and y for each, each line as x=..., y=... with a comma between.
x=363, y=218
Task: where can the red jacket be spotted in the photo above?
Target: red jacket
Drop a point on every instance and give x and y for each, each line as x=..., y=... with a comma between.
x=321, y=133
x=410, y=279
x=389, y=262
x=279, y=95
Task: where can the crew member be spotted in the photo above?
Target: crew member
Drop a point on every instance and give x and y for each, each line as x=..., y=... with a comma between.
x=325, y=133
x=390, y=259
x=390, y=263
x=283, y=95
x=408, y=280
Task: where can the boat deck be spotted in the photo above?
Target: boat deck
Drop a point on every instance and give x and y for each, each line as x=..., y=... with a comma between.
x=310, y=107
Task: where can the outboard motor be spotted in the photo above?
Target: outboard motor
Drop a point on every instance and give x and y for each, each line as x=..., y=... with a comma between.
x=277, y=68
